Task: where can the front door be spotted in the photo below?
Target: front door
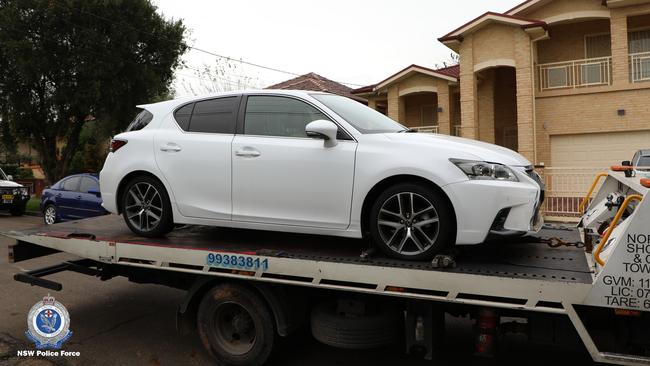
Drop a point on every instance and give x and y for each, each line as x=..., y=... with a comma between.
x=281, y=176
x=193, y=153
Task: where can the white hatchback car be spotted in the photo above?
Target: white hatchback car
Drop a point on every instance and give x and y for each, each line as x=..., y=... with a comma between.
x=316, y=163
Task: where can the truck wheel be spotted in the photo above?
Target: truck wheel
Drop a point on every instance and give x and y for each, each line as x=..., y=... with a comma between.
x=236, y=326
x=146, y=207
x=377, y=328
x=411, y=221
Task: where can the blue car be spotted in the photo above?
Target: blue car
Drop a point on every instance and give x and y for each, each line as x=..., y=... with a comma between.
x=73, y=197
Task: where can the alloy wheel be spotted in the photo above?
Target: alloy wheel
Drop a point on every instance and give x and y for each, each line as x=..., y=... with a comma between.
x=144, y=206
x=408, y=223
x=50, y=215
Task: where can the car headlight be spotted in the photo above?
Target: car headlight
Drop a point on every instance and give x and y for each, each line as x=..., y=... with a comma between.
x=481, y=170
x=21, y=191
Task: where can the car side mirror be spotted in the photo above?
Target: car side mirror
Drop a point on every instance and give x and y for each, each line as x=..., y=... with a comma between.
x=95, y=191
x=322, y=129
x=10, y=177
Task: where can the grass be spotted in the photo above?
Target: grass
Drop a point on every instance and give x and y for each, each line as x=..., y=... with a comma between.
x=33, y=204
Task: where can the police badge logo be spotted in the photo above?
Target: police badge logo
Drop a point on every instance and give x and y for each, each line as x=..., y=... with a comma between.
x=48, y=324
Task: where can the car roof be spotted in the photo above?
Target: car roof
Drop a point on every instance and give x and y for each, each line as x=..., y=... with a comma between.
x=172, y=104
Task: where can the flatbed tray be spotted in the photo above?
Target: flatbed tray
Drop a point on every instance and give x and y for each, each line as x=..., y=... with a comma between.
x=526, y=257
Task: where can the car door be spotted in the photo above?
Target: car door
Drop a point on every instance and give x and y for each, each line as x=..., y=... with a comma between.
x=91, y=203
x=281, y=176
x=193, y=154
x=67, y=199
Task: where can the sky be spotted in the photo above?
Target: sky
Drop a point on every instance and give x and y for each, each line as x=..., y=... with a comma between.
x=358, y=42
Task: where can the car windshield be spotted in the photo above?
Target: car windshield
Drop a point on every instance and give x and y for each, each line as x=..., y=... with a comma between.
x=644, y=162
x=364, y=119
x=2, y=175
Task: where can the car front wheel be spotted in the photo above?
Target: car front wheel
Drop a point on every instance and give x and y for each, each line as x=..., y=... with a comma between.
x=146, y=207
x=411, y=221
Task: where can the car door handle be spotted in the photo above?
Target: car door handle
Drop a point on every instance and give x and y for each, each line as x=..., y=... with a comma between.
x=170, y=147
x=79, y=197
x=248, y=153
x=59, y=195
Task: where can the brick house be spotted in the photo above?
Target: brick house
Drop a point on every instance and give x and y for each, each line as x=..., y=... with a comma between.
x=315, y=82
x=564, y=82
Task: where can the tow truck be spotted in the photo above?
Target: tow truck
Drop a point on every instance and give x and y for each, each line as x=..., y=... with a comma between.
x=245, y=289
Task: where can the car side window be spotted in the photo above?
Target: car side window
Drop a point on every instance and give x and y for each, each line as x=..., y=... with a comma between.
x=87, y=184
x=214, y=116
x=70, y=184
x=278, y=116
x=183, y=115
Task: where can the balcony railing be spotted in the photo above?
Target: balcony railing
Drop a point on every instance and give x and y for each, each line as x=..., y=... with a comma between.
x=427, y=129
x=457, y=130
x=640, y=67
x=575, y=73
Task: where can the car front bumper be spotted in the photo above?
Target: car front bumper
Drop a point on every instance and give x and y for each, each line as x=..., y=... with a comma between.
x=485, y=206
x=17, y=201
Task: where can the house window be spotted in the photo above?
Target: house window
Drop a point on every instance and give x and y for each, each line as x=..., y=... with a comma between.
x=639, y=41
x=595, y=70
x=639, y=47
x=599, y=45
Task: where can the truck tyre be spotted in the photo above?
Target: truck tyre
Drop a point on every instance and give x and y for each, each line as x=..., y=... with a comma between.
x=377, y=328
x=236, y=326
x=411, y=221
x=146, y=208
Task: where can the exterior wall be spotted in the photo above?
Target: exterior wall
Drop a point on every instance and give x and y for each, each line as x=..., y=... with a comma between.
x=525, y=95
x=559, y=7
x=398, y=107
x=495, y=41
x=468, y=103
x=413, y=104
x=590, y=113
x=567, y=41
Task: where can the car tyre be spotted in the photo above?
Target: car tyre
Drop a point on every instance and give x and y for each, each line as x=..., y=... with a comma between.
x=146, y=208
x=236, y=326
x=411, y=221
x=17, y=211
x=50, y=216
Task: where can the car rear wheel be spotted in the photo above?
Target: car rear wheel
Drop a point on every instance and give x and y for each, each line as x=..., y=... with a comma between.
x=411, y=221
x=146, y=207
x=50, y=215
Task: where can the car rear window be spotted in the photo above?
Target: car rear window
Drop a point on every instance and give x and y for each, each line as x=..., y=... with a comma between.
x=141, y=121
x=208, y=116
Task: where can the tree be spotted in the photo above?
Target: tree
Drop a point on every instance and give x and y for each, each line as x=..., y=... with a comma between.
x=224, y=75
x=65, y=62
x=454, y=59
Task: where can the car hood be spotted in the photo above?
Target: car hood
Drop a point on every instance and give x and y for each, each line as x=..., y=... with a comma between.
x=480, y=150
x=9, y=184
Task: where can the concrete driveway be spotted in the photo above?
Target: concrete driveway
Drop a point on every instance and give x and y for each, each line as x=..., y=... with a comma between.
x=121, y=323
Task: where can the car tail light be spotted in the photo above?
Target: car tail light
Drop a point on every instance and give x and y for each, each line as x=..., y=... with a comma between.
x=117, y=144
